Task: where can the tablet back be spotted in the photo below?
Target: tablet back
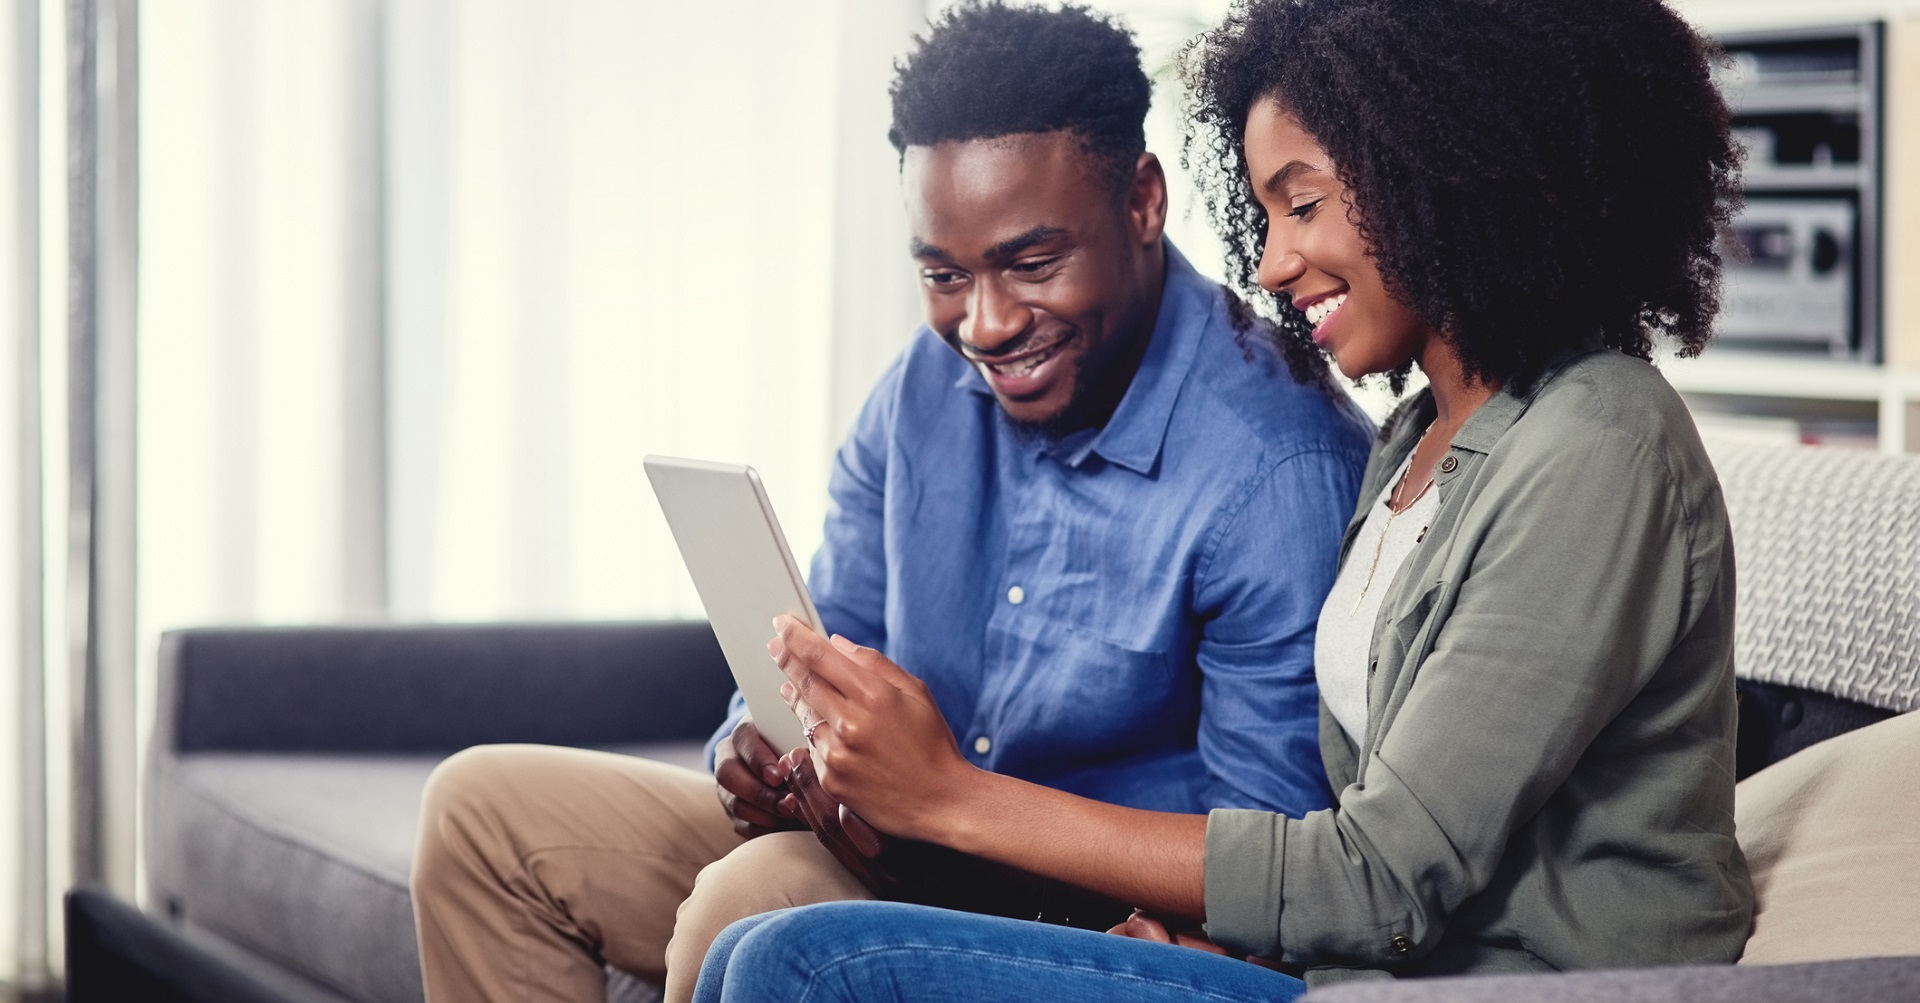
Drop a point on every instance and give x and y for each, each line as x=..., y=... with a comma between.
x=746, y=576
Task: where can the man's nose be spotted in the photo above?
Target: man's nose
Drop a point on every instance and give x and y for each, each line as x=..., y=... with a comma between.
x=994, y=318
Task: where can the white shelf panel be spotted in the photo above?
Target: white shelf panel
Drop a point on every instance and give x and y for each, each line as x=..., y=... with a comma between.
x=1823, y=379
x=1895, y=391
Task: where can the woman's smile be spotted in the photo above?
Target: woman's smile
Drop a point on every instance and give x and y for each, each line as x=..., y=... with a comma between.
x=1315, y=254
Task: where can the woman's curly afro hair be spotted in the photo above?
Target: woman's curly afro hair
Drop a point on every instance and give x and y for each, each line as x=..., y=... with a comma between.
x=1527, y=174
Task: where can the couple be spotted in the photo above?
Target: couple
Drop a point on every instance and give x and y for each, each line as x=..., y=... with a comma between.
x=1102, y=530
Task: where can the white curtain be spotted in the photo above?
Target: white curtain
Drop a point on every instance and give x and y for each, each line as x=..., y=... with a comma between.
x=582, y=231
x=635, y=233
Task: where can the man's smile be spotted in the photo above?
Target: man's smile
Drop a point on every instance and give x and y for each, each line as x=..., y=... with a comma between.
x=1022, y=374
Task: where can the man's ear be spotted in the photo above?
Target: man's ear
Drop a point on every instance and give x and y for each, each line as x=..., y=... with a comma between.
x=1147, y=200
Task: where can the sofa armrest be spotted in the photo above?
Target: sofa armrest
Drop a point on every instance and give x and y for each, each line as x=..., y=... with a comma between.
x=439, y=688
x=1862, y=980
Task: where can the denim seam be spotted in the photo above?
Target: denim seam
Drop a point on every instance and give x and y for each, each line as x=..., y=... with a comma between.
x=813, y=978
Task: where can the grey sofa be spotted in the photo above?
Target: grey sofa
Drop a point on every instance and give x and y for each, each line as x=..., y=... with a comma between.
x=286, y=769
x=287, y=764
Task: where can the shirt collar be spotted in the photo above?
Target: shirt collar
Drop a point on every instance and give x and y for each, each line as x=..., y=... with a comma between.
x=1132, y=438
x=1488, y=422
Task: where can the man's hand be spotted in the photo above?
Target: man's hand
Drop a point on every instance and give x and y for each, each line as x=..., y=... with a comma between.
x=752, y=783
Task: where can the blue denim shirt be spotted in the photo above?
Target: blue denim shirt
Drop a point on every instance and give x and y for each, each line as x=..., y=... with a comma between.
x=1127, y=613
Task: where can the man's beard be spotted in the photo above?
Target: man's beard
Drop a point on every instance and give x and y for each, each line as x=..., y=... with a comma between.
x=1097, y=391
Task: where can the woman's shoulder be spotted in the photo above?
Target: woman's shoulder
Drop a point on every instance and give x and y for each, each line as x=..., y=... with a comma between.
x=1606, y=402
x=1606, y=392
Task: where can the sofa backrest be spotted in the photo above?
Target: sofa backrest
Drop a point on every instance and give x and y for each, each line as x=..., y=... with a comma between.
x=438, y=688
x=1827, y=628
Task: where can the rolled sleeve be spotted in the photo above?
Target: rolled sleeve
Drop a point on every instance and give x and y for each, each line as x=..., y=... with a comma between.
x=1243, y=893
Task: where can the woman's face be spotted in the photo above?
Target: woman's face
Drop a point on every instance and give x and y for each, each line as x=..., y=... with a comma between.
x=1314, y=252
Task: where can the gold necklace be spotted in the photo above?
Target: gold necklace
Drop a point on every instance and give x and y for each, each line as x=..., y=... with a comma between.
x=1381, y=545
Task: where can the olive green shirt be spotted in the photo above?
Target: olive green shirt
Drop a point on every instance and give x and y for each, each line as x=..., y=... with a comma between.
x=1547, y=776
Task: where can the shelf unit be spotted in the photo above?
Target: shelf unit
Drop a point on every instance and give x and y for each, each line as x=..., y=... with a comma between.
x=1895, y=393
x=1730, y=380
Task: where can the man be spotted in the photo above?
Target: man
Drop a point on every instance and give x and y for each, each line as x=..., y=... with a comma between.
x=1095, y=514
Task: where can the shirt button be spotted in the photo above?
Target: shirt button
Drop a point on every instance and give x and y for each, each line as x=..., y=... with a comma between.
x=983, y=745
x=1448, y=465
x=1016, y=595
x=1402, y=945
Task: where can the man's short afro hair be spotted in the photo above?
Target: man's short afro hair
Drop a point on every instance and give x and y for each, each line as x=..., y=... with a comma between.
x=990, y=69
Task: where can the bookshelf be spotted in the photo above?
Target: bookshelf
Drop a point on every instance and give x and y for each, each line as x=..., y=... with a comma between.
x=1780, y=391
x=1809, y=392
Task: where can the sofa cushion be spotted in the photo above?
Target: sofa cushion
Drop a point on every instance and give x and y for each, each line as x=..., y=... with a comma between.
x=1867, y=980
x=1832, y=834
x=304, y=858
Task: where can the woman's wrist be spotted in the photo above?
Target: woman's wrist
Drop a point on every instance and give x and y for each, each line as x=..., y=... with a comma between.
x=955, y=807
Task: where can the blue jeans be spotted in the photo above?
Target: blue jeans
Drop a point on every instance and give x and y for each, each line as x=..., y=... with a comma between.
x=873, y=951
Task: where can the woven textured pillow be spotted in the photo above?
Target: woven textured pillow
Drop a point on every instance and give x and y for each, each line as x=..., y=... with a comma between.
x=1829, y=583
x=1832, y=834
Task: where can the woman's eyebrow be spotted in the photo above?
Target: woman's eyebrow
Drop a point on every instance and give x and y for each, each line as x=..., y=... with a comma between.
x=1278, y=180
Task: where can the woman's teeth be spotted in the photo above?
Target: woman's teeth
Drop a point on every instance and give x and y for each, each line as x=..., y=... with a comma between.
x=1318, y=313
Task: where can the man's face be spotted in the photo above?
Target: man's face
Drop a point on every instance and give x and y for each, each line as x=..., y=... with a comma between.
x=1036, y=271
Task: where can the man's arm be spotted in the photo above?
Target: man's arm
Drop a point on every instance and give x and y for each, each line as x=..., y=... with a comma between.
x=1259, y=591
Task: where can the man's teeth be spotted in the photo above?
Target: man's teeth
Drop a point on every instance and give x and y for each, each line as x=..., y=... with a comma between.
x=1023, y=366
x=1318, y=313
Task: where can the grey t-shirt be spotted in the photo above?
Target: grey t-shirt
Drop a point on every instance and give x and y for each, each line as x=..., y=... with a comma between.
x=1345, y=632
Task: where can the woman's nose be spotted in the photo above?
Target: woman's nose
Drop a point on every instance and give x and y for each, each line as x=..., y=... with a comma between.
x=1280, y=266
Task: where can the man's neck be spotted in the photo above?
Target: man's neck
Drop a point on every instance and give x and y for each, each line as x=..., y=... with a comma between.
x=1126, y=366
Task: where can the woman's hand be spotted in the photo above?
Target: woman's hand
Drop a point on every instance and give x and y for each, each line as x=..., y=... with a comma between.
x=879, y=743
x=1141, y=926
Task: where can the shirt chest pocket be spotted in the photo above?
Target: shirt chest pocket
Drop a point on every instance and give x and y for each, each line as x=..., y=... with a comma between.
x=1106, y=696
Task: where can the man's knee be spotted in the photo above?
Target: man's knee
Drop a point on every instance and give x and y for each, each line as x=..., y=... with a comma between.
x=775, y=871
x=460, y=803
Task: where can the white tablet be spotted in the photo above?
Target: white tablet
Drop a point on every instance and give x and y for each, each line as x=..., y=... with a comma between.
x=746, y=576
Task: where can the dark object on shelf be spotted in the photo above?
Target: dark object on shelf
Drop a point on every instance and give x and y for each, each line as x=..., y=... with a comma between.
x=1804, y=271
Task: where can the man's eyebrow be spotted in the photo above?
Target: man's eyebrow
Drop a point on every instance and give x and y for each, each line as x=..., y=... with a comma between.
x=921, y=249
x=1014, y=245
x=1280, y=178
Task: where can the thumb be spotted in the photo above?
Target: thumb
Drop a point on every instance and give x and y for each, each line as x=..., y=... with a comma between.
x=1140, y=926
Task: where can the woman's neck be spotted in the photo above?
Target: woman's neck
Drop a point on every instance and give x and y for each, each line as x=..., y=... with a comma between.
x=1455, y=394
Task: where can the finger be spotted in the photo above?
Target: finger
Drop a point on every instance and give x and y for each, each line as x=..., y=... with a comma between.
x=1141, y=926
x=753, y=749
x=1198, y=943
x=810, y=695
x=810, y=721
x=815, y=655
x=747, y=813
x=736, y=779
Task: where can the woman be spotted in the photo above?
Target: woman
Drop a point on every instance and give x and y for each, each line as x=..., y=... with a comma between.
x=1525, y=664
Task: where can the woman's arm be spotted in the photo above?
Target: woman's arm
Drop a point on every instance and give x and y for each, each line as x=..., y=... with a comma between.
x=881, y=747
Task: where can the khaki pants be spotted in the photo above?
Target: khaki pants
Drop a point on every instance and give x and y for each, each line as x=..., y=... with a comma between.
x=537, y=865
